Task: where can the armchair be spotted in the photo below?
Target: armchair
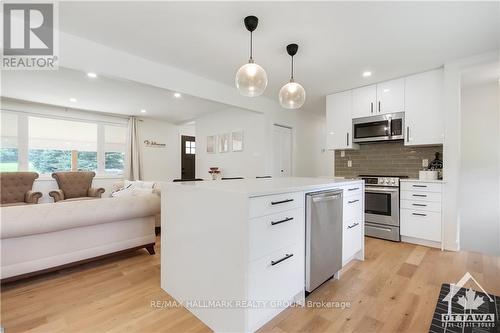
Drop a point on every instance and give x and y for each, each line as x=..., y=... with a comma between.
x=16, y=188
x=75, y=186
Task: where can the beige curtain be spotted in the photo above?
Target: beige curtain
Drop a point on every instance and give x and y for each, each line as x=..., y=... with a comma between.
x=133, y=167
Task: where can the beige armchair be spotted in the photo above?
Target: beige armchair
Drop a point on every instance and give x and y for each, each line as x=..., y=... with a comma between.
x=75, y=186
x=16, y=188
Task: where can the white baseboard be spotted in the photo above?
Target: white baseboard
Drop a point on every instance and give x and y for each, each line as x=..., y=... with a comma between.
x=420, y=241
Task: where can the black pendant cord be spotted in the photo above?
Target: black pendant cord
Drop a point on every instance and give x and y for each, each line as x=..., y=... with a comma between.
x=291, y=78
x=251, y=45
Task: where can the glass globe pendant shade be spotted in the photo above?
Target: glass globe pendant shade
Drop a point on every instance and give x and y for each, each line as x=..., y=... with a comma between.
x=251, y=80
x=292, y=95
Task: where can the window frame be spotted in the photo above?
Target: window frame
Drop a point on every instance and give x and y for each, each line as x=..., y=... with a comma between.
x=23, y=139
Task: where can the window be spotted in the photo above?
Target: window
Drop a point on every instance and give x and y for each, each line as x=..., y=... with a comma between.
x=46, y=145
x=9, y=157
x=190, y=147
x=61, y=145
x=115, y=140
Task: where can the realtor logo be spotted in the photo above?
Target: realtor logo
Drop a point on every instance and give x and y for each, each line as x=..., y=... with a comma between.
x=29, y=36
x=469, y=309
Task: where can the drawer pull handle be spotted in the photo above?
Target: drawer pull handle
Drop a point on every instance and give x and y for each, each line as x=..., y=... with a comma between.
x=353, y=201
x=281, y=221
x=420, y=195
x=281, y=202
x=419, y=205
x=419, y=185
x=419, y=214
x=287, y=256
x=352, y=226
x=353, y=189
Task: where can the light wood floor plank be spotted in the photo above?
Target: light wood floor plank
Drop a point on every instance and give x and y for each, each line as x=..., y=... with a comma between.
x=394, y=290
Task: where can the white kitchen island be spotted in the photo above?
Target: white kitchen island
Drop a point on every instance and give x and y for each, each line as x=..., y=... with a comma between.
x=233, y=251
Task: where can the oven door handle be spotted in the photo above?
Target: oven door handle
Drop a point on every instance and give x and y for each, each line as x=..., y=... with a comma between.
x=379, y=190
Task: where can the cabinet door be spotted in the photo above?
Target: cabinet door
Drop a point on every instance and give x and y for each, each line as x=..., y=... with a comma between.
x=339, y=121
x=424, y=116
x=351, y=239
x=391, y=96
x=363, y=101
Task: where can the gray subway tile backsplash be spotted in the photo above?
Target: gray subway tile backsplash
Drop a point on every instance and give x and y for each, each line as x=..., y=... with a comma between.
x=389, y=158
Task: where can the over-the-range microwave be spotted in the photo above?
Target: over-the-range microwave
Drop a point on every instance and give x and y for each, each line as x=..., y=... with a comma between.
x=383, y=127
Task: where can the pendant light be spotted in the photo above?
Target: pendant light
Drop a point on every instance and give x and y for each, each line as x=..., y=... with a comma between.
x=251, y=79
x=292, y=95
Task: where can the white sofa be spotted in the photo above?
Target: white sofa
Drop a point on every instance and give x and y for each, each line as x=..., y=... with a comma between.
x=47, y=236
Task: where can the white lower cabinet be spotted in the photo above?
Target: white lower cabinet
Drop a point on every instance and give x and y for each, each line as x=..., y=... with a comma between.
x=276, y=255
x=351, y=239
x=353, y=223
x=421, y=212
x=275, y=278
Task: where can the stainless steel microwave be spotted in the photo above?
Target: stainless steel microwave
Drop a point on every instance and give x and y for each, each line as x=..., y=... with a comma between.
x=384, y=127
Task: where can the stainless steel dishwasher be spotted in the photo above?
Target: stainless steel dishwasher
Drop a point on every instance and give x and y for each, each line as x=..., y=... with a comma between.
x=323, y=236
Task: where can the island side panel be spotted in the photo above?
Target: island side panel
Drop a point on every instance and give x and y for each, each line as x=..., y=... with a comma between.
x=204, y=251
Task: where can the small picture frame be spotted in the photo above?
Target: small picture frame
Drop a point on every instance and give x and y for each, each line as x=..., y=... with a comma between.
x=224, y=142
x=237, y=140
x=211, y=144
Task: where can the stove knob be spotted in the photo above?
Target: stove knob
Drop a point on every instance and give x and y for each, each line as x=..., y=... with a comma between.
x=386, y=181
x=393, y=181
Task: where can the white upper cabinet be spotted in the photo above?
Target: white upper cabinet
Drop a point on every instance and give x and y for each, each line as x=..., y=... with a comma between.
x=390, y=96
x=339, y=121
x=424, y=116
x=363, y=101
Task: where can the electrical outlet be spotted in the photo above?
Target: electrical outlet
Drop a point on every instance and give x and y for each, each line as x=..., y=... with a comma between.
x=342, y=153
x=425, y=163
x=349, y=164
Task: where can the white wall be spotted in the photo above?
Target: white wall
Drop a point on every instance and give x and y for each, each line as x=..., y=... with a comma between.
x=308, y=135
x=479, y=193
x=247, y=163
x=160, y=164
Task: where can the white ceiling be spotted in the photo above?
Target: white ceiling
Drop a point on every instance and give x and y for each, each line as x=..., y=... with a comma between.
x=337, y=40
x=103, y=95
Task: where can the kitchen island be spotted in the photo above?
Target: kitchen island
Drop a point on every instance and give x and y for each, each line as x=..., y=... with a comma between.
x=233, y=251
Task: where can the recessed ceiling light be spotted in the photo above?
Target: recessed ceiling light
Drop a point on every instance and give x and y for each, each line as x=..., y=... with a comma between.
x=73, y=100
x=92, y=75
x=367, y=74
x=177, y=95
x=143, y=111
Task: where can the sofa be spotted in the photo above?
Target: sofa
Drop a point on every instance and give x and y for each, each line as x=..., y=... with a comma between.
x=16, y=189
x=75, y=185
x=44, y=237
x=155, y=187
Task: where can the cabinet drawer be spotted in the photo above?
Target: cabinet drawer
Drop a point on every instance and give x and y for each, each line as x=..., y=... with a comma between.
x=351, y=238
x=420, y=186
x=428, y=206
x=273, y=232
x=353, y=207
x=353, y=190
x=423, y=225
x=275, y=283
x=421, y=196
x=270, y=204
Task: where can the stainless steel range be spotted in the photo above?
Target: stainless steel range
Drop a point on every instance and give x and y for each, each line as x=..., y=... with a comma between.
x=382, y=207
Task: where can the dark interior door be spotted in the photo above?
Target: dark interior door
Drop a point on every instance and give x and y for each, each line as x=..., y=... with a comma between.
x=188, y=154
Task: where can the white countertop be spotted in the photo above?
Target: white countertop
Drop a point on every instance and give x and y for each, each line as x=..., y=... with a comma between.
x=439, y=181
x=257, y=187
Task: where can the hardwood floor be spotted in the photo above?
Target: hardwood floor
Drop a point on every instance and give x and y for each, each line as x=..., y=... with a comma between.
x=394, y=290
